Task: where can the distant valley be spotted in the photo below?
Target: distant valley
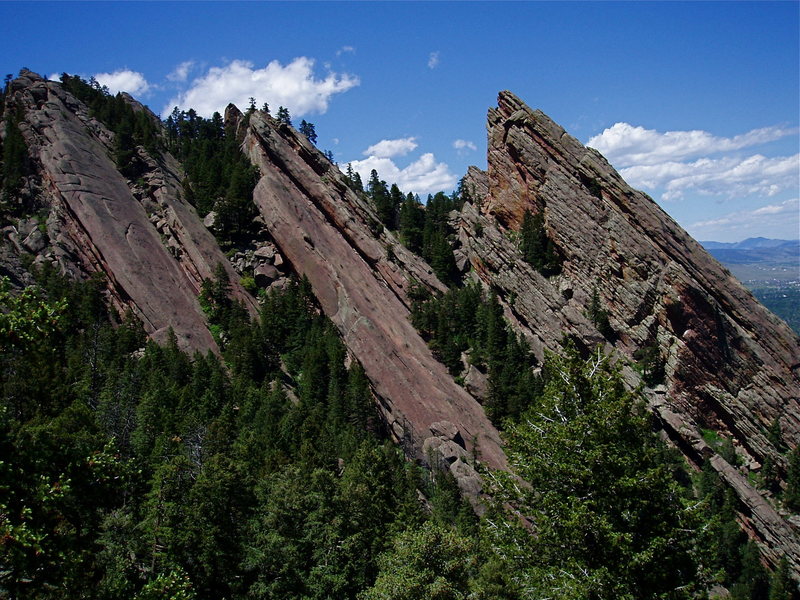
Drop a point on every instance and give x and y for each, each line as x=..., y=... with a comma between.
x=769, y=268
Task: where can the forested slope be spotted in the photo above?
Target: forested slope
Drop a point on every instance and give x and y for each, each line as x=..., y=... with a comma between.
x=363, y=396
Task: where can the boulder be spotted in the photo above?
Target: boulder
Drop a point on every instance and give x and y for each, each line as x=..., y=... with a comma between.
x=265, y=274
x=210, y=220
x=36, y=241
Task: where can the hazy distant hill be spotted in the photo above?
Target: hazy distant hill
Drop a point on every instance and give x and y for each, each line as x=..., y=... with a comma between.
x=748, y=244
x=759, y=258
x=770, y=268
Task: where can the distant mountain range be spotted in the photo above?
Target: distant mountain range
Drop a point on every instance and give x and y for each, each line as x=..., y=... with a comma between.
x=749, y=243
x=757, y=251
x=769, y=268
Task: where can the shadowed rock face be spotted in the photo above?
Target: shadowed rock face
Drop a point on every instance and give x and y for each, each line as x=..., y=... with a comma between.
x=731, y=365
x=332, y=237
x=150, y=244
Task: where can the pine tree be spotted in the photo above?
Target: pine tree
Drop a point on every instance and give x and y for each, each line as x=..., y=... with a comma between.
x=382, y=200
x=14, y=157
x=610, y=520
x=782, y=587
x=599, y=315
x=412, y=223
x=536, y=246
x=307, y=129
x=775, y=435
x=792, y=494
x=283, y=116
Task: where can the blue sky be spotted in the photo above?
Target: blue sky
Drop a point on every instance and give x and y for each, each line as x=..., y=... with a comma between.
x=695, y=103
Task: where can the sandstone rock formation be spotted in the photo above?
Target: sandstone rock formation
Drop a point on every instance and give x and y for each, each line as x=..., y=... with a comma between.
x=361, y=276
x=151, y=244
x=731, y=365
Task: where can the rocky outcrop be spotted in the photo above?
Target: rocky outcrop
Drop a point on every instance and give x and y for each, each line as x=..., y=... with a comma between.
x=730, y=364
x=361, y=276
x=150, y=244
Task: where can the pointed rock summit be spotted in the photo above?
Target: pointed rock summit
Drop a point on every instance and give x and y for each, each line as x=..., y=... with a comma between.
x=729, y=364
x=361, y=276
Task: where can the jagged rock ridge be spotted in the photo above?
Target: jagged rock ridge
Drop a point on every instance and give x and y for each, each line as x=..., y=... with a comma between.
x=332, y=236
x=731, y=365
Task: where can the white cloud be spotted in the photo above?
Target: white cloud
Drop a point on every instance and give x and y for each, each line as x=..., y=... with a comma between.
x=727, y=176
x=345, y=50
x=422, y=176
x=625, y=145
x=123, y=80
x=293, y=86
x=773, y=220
x=463, y=145
x=181, y=72
x=433, y=60
x=390, y=148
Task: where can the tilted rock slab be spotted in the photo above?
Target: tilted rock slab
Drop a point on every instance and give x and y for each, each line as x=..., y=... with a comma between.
x=154, y=250
x=332, y=237
x=731, y=365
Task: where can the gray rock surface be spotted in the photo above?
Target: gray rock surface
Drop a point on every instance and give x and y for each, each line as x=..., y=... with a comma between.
x=731, y=365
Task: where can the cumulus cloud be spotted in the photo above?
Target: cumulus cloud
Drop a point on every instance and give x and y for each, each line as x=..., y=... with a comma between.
x=422, y=176
x=345, y=50
x=390, y=148
x=727, y=176
x=181, y=72
x=775, y=220
x=624, y=144
x=681, y=163
x=463, y=145
x=294, y=86
x=433, y=60
x=123, y=80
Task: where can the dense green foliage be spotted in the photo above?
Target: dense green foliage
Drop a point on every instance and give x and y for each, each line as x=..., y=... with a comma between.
x=13, y=164
x=130, y=470
x=462, y=321
x=131, y=127
x=611, y=520
x=126, y=471
x=425, y=231
x=536, y=246
x=219, y=176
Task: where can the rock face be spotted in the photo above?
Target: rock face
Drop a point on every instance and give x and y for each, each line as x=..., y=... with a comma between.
x=151, y=245
x=361, y=275
x=731, y=365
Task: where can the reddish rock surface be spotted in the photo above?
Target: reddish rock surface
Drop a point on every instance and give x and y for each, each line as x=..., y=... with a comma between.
x=327, y=233
x=151, y=245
